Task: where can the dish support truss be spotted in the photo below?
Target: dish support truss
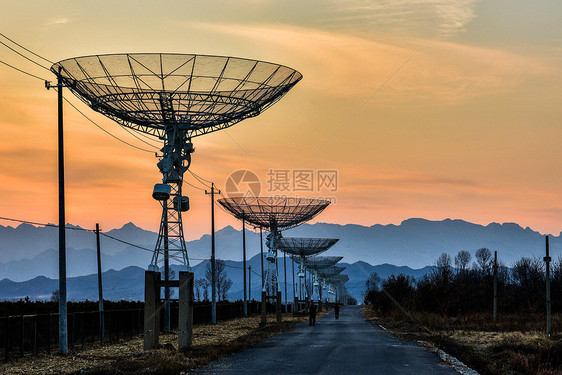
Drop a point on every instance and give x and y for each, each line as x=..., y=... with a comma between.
x=271, y=285
x=176, y=158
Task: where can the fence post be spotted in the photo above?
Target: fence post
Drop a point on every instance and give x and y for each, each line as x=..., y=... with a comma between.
x=73, y=326
x=49, y=335
x=7, y=338
x=185, y=318
x=278, y=307
x=151, y=311
x=82, y=328
x=21, y=335
x=35, y=334
x=118, y=320
x=263, y=308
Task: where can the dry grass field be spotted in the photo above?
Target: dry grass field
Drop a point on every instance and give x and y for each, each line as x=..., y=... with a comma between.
x=127, y=357
x=515, y=345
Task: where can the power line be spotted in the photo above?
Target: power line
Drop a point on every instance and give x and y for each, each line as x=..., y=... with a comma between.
x=193, y=186
x=44, y=225
x=21, y=71
x=33, y=53
x=71, y=104
x=125, y=242
x=137, y=137
x=105, y=131
x=25, y=57
x=200, y=179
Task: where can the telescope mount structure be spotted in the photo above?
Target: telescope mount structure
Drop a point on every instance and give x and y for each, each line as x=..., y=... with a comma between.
x=302, y=248
x=274, y=215
x=174, y=98
x=317, y=263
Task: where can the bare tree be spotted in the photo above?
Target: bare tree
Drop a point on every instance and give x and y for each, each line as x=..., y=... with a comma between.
x=444, y=261
x=462, y=259
x=484, y=260
x=221, y=278
x=528, y=272
x=205, y=285
x=55, y=296
x=225, y=288
x=373, y=282
x=198, y=284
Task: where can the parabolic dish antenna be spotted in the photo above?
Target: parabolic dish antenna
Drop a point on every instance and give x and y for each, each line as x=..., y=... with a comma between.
x=148, y=91
x=338, y=279
x=319, y=262
x=330, y=271
x=175, y=97
x=273, y=213
x=305, y=246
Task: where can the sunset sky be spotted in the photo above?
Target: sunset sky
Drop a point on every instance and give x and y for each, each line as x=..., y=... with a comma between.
x=425, y=108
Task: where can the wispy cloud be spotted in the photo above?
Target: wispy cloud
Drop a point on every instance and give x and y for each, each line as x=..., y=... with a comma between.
x=59, y=20
x=443, y=18
x=347, y=66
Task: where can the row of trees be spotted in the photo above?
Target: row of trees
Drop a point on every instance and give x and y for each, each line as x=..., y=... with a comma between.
x=455, y=287
x=203, y=286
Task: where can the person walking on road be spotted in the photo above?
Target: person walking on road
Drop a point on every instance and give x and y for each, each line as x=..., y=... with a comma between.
x=337, y=310
x=312, y=314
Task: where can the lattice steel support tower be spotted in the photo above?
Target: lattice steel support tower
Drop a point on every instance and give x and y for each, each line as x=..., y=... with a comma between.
x=271, y=286
x=176, y=158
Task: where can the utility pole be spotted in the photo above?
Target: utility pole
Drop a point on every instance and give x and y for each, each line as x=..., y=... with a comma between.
x=294, y=285
x=213, y=262
x=495, y=286
x=63, y=328
x=167, y=325
x=285, y=273
x=100, y=286
x=547, y=260
x=244, y=263
x=250, y=282
x=261, y=247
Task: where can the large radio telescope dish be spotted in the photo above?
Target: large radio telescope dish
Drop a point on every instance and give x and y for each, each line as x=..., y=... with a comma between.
x=174, y=97
x=274, y=213
x=338, y=279
x=200, y=93
x=319, y=262
x=330, y=271
x=305, y=246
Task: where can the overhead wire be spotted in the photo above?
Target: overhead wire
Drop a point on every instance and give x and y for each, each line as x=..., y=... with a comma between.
x=22, y=71
x=104, y=130
x=137, y=137
x=70, y=103
x=44, y=224
x=193, y=186
x=200, y=179
x=25, y=57
x=19, y=45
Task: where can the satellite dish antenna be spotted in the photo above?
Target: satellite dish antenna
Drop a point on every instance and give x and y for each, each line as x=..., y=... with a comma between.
x=274, y=215
x=175, y=98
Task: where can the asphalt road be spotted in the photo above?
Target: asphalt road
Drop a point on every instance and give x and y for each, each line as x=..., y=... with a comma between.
x=346, y=346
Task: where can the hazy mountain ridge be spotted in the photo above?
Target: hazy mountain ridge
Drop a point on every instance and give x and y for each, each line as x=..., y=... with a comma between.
x=128, y=283
x=415, y=243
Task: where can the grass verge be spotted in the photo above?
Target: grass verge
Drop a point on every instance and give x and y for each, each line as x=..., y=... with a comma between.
x=489, y=348
x=210, y=342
